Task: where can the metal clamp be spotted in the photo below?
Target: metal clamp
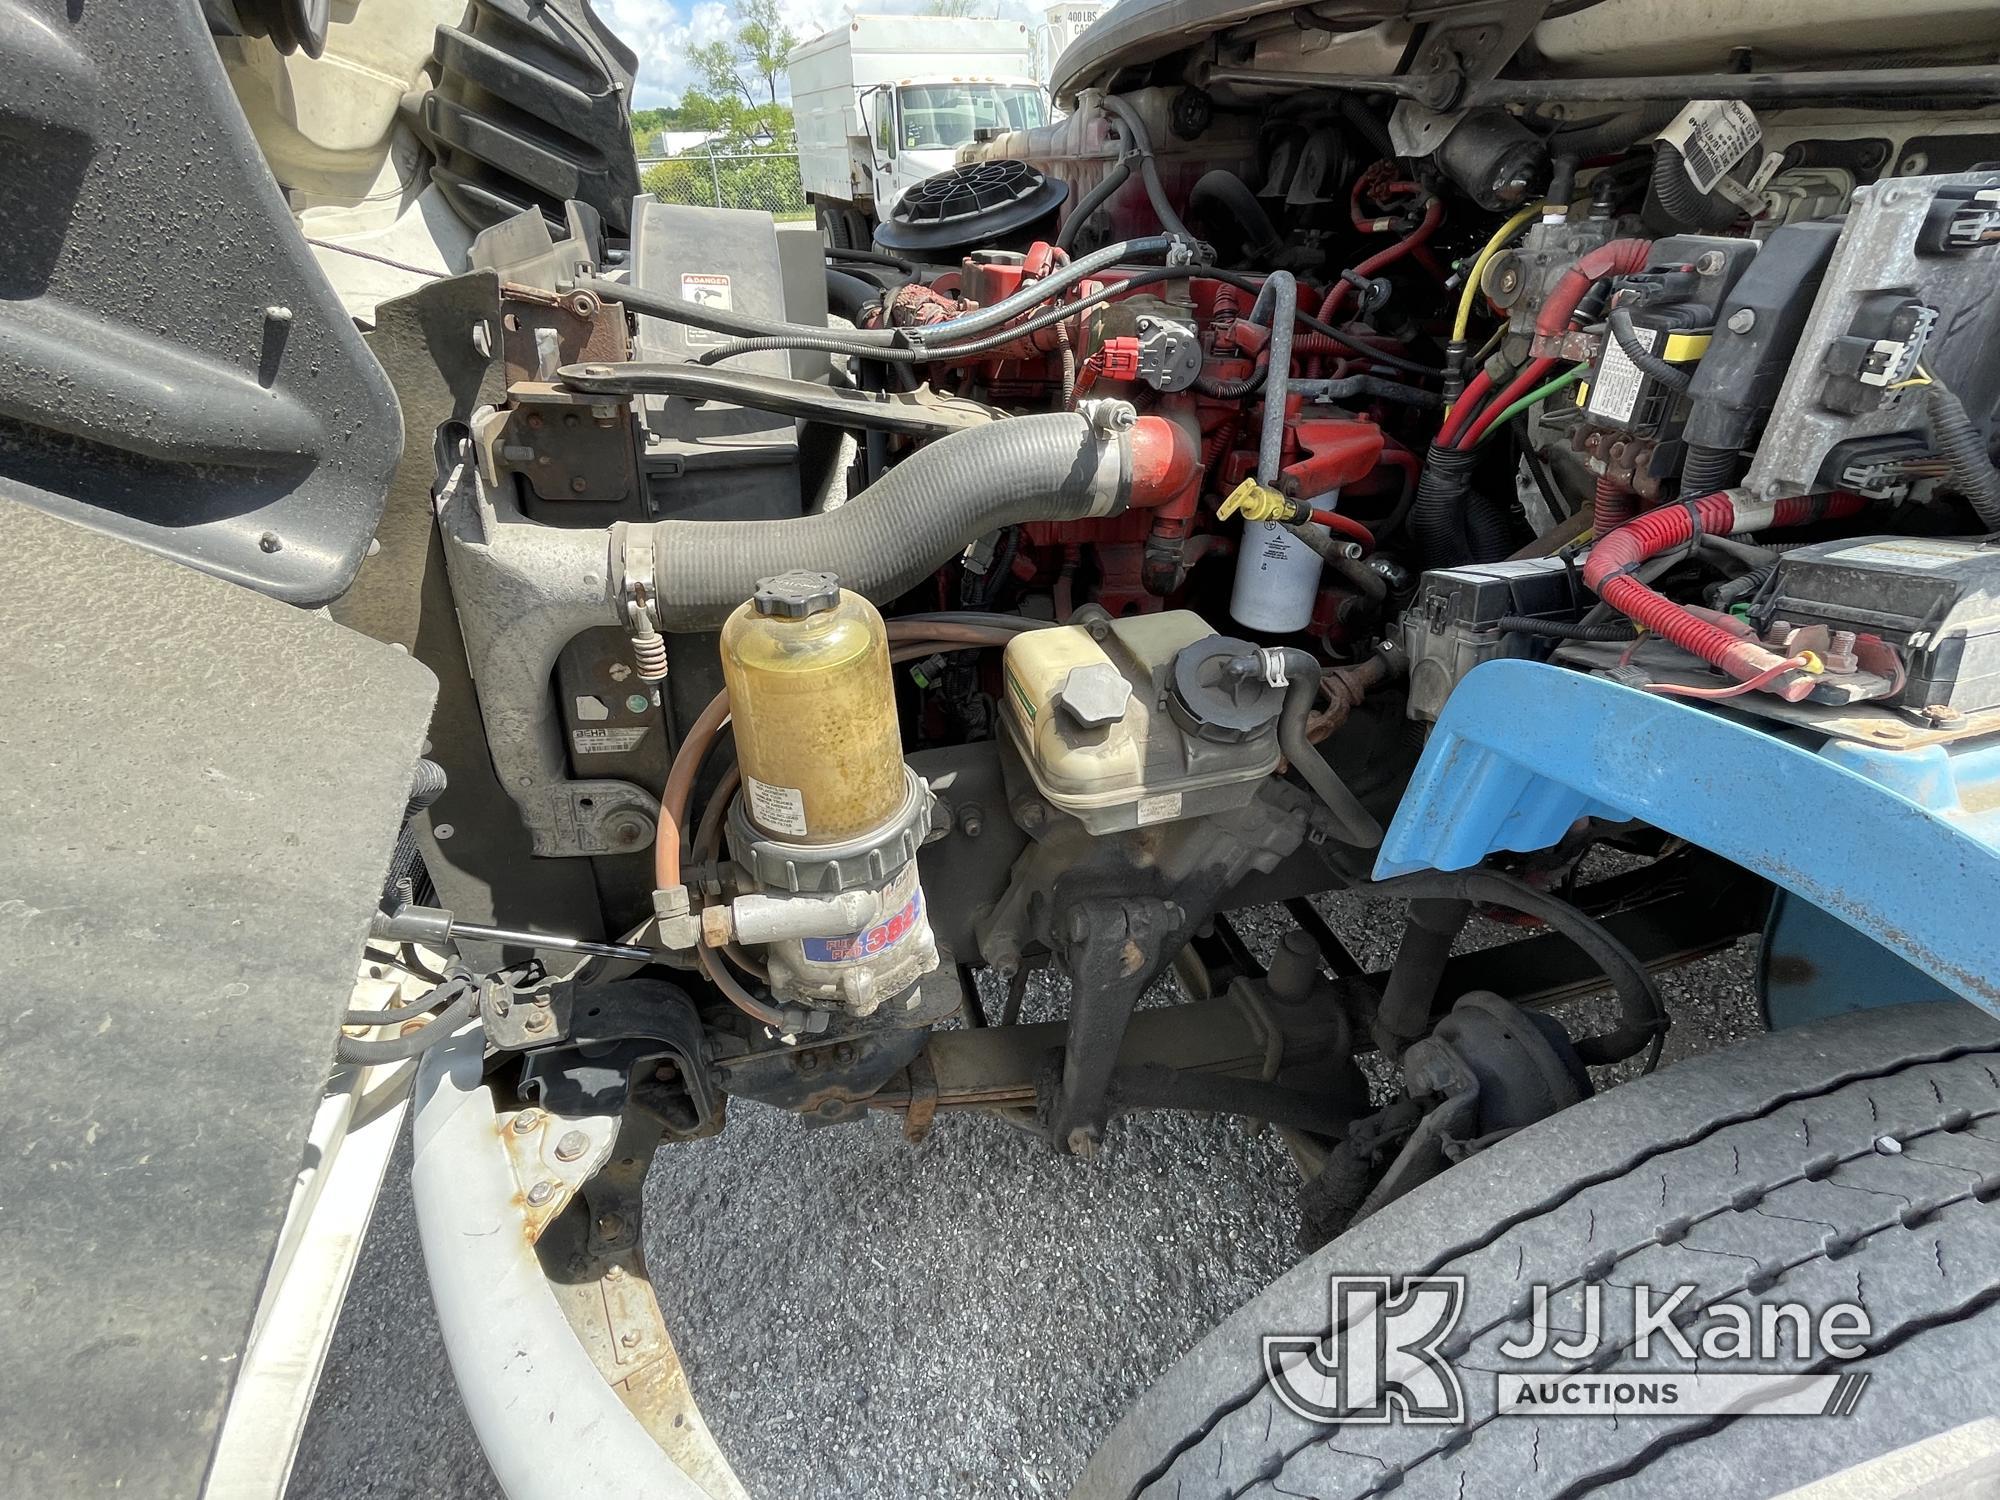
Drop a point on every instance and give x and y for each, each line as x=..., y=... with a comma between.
x=1108, y=416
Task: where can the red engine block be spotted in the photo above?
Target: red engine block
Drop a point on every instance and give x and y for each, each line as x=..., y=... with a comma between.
x=1139, y=561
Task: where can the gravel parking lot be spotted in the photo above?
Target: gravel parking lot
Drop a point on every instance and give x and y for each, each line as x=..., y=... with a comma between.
x=862, y=1317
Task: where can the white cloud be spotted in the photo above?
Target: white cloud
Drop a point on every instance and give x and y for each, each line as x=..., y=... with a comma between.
x=663, y=34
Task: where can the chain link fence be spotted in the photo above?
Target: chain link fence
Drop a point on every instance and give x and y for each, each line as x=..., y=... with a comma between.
x=767, y=180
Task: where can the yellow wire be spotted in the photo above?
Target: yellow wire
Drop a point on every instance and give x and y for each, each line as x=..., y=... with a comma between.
x=1922, y=377
x=1493, y=247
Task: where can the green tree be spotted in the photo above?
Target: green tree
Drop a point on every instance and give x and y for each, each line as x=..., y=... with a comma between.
x=767, y=41
x=957, y=8
x=758, y=52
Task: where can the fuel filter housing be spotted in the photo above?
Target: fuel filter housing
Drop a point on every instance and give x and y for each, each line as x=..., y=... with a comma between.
x=829, y=819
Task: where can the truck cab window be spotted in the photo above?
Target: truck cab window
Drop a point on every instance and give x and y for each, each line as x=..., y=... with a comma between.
x=943, y=116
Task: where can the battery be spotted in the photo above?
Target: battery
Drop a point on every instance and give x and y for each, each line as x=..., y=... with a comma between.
x=1935, y=599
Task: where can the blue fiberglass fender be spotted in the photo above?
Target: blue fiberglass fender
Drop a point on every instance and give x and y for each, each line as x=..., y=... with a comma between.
x=1902, y=845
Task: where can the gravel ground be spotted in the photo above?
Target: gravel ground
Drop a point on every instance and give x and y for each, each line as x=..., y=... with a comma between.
x=858, y=1316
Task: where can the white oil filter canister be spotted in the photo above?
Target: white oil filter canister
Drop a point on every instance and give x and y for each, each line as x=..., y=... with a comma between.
x=1277, y=576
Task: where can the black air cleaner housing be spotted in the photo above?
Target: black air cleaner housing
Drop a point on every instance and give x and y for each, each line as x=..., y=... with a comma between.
x=986, y=205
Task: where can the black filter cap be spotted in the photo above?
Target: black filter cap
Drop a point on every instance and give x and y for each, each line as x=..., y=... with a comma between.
x=981, y=203
x=794, y=595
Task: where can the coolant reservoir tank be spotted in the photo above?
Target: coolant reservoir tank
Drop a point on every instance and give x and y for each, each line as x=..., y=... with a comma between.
x=814, y=707
x=1120, y=725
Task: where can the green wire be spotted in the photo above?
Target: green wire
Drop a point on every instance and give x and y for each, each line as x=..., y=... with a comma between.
x=1569, y=377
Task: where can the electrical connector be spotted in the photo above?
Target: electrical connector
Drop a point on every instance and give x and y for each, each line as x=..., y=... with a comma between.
x=1961, y=219
x=1118, y=358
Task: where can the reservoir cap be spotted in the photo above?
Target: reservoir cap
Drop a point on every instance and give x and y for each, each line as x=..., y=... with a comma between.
x=1219, y=691
x=795, y=595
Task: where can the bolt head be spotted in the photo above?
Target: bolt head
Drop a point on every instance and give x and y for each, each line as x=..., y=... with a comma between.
x=540, y=1193
x=537, y=1021
x=629, y=1338
x=527, y=1121
x=1710, y=263
x=1742, y=320
x=572, y=1145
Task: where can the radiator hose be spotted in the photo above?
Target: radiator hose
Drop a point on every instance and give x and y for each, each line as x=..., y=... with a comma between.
x=1055, y=467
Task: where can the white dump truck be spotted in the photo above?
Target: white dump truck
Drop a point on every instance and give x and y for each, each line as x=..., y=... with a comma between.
x=885, y=101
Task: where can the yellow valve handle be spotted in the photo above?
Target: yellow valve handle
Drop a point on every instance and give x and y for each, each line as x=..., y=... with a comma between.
x=1255, y=503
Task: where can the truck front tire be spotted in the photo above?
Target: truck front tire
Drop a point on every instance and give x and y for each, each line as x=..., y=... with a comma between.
x=1857, y=1160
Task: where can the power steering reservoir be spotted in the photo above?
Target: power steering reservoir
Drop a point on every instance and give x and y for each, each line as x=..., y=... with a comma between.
x=829, y=819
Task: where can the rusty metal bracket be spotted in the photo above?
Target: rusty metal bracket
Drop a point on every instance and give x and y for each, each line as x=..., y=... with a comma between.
x=541, y=331
x=552, y=1156
x=923, y=1106
x=519, y=1022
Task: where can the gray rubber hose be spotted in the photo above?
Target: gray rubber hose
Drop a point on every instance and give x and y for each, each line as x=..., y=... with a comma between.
x=1357, y=826
x=1617, y=133
x=906, y=524
x=1277, y=309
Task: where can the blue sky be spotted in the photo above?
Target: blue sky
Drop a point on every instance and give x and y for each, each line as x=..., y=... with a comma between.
x=663, y=34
